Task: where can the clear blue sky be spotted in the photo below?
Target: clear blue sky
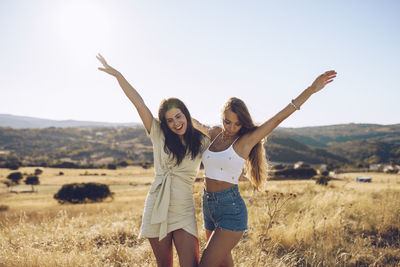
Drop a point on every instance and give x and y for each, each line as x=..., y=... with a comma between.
x=265, y=52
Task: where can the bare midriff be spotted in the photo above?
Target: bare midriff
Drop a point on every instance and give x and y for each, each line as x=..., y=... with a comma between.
x=212, y=185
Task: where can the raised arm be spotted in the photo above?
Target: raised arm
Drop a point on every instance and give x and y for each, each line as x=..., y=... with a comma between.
x=211, y=132
x=131, y=93
x=266, y=128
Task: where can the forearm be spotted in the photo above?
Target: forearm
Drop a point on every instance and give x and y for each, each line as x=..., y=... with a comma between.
x=302, y=98
x=145, y=114
x=205, y=129
x=268, y=126
x=291, y=107
x=130, y=92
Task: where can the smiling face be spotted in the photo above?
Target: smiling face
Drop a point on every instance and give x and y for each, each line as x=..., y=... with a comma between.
x=231, y=123
x=176, y=121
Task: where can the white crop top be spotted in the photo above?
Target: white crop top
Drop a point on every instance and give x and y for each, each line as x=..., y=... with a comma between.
x=224, y=165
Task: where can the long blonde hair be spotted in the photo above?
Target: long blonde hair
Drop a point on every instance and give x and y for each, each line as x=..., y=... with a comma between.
x=256, y=164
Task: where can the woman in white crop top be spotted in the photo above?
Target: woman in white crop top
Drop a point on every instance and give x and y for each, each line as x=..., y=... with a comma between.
x=237, y=144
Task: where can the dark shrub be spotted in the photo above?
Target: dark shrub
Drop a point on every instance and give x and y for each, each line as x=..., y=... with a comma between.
x=278, y=167
x=15, y=177
x=12, y=165
x=145, y=165
x=32, y=180
x=38, y=171
x=391, y=171
x=83, y=192
x=43, y=164
x=325, y=173
x=297, y=173
x=322, y=180
x=111, y=166
x=66, y=165
x=123, y=163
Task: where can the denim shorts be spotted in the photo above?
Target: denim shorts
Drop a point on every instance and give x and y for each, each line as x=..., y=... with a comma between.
x=224, y=209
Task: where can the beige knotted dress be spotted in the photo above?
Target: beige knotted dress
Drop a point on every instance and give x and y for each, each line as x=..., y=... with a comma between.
x=169, y=204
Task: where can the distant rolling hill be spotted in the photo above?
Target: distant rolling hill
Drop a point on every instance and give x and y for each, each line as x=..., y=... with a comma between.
x=38, y=141
x=20, y=122
x=323, y=136
x=345, y=143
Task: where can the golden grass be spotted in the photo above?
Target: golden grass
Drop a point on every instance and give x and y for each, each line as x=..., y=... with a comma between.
x=344, y=224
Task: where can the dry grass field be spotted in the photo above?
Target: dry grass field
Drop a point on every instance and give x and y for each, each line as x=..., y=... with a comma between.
x=291, y=223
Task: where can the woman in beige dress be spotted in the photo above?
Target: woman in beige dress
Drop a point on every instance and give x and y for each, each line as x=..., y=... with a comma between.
x=169, y=213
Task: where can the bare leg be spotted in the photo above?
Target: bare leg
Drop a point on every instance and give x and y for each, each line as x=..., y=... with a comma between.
x=162, y=250
x=228, y=261
x=187, y=247
x=219, y=246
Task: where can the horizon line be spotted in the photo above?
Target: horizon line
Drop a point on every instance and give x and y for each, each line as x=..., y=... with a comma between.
x=213, y=124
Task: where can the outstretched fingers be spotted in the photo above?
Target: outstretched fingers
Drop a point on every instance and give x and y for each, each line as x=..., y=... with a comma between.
x=106, y=68
x=330, y=73
x=322, y=80
x=101, y=59
x=328, y=76
x=329, y=81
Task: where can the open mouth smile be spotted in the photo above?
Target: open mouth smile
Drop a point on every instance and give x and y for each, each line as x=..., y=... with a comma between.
x=179, y=127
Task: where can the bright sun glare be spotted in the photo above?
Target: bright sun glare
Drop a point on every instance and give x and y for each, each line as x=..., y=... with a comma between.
x=82, y=24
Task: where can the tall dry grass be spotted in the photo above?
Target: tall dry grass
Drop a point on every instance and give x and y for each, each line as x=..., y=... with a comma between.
x=343, y=224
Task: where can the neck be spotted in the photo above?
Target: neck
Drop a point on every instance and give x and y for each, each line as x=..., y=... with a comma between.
x=224, y=136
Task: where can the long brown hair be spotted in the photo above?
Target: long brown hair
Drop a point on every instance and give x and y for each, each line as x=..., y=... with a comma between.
x=172, y=143
x=256, y=164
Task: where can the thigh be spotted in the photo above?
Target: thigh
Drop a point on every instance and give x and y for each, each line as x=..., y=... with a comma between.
x=187, y=247
x=228, y=260
x=219, y=246
x=162, y=250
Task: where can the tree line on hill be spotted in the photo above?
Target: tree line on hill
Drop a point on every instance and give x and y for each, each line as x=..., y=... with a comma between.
x=88, y=147
x=357, y=145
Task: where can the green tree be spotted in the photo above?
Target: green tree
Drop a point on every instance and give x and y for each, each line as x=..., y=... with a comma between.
x=83, y=192
x=32, y=180
x=38, y=171
x=15, y=177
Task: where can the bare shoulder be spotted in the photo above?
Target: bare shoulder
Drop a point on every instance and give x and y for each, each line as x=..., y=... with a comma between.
x=244, y=145
x=214, y=131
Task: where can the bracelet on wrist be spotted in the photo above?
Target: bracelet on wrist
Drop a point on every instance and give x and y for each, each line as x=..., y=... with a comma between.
x=294, y=105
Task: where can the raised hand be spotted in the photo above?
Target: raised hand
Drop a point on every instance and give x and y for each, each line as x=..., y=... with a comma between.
x=322, y=80
x=131, y=93
x=107, y=68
